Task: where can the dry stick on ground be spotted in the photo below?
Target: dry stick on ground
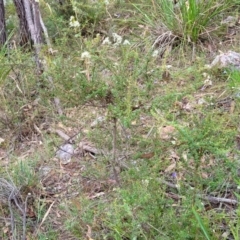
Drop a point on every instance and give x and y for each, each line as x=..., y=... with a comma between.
x=218, y=199
x=207, y=198
x=64, y=136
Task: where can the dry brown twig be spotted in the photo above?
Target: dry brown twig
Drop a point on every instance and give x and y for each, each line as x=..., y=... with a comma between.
x=204, y=197
x=114, y=160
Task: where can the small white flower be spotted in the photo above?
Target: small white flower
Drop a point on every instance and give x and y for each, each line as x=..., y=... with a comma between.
x=106, y=2
x=73, y=23
x=145, y=182
x=85, y=55
x=155, y=53
x=205, y=75
x=117, y=39
x=178, y=186
x=126, y=42
x=208, y=82
x=106, y=41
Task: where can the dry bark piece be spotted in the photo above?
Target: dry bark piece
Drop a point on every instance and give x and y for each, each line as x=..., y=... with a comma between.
x=63, y=135
x=86, y=146
x=166, y=132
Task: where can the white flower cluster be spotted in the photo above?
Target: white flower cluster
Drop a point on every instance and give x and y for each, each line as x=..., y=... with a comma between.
x=155, y=53
x=117, y=40
x=73, y=22
x=85, y=55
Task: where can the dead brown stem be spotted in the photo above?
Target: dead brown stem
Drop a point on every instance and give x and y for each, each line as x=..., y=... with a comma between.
x=114, y=160
x=207, y=198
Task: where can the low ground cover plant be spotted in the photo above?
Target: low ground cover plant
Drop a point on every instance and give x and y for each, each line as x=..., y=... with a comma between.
x=153, y=130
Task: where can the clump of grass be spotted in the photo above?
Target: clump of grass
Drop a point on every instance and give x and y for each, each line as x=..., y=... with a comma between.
x=188, y=20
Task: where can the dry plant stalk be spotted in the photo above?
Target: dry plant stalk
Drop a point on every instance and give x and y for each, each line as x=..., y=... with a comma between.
x=10, y=195
x=114, y=160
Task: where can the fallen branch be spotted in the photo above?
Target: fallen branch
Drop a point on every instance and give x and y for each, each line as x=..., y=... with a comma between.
x=61, y=134
x=204, y=197
x=218, y=199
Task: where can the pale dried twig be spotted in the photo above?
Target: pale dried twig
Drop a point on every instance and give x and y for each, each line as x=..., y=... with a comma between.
x=204, y=197
x=44, y=218
x=218, y=199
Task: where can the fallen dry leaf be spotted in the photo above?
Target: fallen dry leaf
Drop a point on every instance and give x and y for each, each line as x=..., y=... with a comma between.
x=97, y=195
x=89, y=233
x=166, y=132
x=170, y=167
x=188, y=107
x=147, y=155
x=174, y=156
x=232, y=107
x=204, y=175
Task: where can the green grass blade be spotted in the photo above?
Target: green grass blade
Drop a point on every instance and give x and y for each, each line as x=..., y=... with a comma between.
x=200, y=222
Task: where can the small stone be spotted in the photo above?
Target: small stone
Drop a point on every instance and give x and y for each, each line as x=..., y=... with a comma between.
x=65, y=153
